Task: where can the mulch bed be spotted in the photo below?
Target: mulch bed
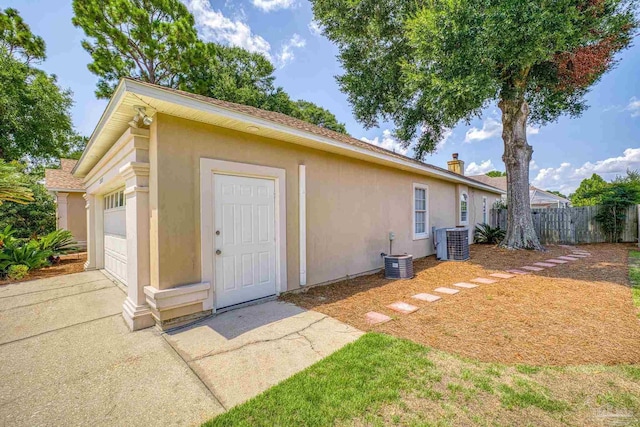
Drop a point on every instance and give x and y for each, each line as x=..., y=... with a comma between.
x=576, y=313
x=69, y=264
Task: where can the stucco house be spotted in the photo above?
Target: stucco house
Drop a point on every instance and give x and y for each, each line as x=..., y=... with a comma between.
x=539, y=197
x=70, y=204
x=200, y=205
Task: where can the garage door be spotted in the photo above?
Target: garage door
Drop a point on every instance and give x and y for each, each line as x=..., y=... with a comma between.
x=115, y=235
x=245, y=258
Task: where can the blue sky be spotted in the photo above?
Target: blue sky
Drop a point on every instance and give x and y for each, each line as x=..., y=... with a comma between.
x=605, y=140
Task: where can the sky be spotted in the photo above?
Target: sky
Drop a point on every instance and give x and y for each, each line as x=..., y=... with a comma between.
x=604, y=140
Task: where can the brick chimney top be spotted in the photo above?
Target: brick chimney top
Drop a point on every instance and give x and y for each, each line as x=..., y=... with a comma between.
x=456, y=165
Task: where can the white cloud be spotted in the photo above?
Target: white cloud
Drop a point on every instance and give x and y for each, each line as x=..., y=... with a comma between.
x=314, y=28
x=533, y=166
x=566, y=178
x=479, y=169
x=286, y=53
x=270, y=5
x=387, y=141
x=634, y=107
x=445, y=137
x=214, y=26
x=491, y=128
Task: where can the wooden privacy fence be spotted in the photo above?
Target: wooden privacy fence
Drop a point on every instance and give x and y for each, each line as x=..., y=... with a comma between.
x=572, y=225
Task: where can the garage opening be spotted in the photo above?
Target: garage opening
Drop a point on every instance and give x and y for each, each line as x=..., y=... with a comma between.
x=115, y=235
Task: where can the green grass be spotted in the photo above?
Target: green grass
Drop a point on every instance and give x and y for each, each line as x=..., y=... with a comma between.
x=634, y=276
x=381, y=380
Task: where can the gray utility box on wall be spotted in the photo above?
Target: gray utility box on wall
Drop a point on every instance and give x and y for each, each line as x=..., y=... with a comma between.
x=398, y=266
x=458, y=244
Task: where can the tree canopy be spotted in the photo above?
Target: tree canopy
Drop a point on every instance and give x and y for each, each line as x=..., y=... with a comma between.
x=156, y=41
x=496, y=174
x=589, y=192
x=13, y=187
x=35, y=118
x=426, y=66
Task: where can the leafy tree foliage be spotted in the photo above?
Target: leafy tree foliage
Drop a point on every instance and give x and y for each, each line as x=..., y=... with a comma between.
x=557, y=193
x=32, y=219
x=589, y=193
x=496, y=174
x=156, y=41
x=615, y=198
x=13, y=187
x=428, y=65
x=34, y=111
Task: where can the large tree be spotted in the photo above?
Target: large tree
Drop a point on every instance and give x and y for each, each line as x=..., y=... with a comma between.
x=35, y=120
x=156, y=41
x=426, y=66
x=589, y=192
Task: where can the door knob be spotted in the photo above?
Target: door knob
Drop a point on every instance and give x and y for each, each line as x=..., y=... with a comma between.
x=218, y=252
x=217, y=232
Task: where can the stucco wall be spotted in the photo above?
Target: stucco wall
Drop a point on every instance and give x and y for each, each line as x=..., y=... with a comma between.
x=351, y=205
x=77, y=216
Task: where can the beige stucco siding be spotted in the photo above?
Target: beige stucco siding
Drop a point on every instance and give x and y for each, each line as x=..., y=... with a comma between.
x=352, y=205
x=77, y=212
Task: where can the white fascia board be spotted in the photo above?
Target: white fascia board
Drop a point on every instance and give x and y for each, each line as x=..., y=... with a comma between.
x=185, y=101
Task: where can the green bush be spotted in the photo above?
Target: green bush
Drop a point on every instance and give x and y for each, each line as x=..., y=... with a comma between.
x=484, y=233
x=18, y=272
x=28, y=254
x=6, y=237
x=58, y=242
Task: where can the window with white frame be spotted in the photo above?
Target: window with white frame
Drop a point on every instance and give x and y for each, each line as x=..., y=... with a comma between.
x=464, y=208
x=420, y=211
x=114, y=200
x=484, y=210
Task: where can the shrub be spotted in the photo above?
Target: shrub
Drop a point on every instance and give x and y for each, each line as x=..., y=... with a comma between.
x=484, y=233
x=59, y=241
x=18, y=272
x=6, y=237
x=28, y=254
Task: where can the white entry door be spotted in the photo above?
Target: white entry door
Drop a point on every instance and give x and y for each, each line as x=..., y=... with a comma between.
x=244, y=240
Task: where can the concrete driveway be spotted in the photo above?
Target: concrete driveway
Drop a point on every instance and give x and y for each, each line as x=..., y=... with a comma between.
x=67, y=358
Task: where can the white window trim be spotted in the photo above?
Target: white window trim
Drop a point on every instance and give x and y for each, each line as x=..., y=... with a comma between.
x=465, y=222
x=426, y=234
x=117, y=208
x=485, y=210
x=209, y=167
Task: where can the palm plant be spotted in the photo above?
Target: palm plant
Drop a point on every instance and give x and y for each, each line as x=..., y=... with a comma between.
x=12, y=187
x=59, y=241
x=484, y=233
x=28, y=254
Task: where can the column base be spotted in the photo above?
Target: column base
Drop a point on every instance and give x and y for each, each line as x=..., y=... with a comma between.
x=137, y=316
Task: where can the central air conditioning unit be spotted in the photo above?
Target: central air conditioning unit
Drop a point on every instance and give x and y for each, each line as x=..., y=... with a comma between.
x=457, y=244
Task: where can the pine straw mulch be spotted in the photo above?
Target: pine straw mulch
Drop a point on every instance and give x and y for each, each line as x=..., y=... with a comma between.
x=576, y=313
x=69, y=264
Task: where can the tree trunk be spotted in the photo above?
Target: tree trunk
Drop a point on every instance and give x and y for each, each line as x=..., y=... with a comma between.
x=517, y=155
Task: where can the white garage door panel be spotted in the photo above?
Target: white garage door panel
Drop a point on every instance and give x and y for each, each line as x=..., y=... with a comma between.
x=244, y=216
x=115, y=243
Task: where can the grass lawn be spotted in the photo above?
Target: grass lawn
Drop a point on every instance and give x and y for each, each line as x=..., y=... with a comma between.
x=383, y=380
x=634, y=276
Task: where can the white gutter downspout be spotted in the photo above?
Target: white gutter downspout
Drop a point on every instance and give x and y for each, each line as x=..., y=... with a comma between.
x=302, y=184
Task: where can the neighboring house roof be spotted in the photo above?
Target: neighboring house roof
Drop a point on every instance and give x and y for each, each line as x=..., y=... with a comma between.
x=159, y=99
x=537, y=195
x=62, y=179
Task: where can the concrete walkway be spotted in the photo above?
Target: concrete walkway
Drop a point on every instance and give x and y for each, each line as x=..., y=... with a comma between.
x=68, y=359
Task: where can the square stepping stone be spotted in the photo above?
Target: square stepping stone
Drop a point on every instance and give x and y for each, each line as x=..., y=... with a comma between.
x=465, y=285
x=557, y=261
x=447, y=291
x=427, y=297
x=375, y=318
x=516, y=271
x=502, y=275
x=567, y=258
x=531, y=268
x=544, y=264
x=402, y=307
x=483, y=281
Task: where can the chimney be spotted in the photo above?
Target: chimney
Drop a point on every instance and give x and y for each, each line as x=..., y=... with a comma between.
x=456, y=165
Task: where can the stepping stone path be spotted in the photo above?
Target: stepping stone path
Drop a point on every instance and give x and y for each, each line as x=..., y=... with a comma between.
x=516, y=271
x=465, y=285
x=531, y=268
x=427, y=297
x=374, y=318
x=557, y=261
x=579, y=255
x=544, y=264
x=504, y=275
x=483, y=281
x=402, y=307
x=567, y=258
x=447, y=291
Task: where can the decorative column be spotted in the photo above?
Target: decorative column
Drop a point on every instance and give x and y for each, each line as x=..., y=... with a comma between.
x=62, y=214
x=136, y=311
x=95, y=232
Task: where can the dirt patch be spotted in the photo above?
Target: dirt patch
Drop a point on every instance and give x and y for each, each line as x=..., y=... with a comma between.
x=576, y=313
x=69, y=264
